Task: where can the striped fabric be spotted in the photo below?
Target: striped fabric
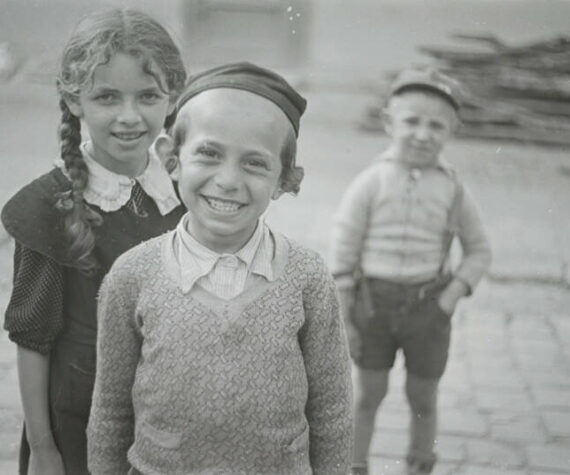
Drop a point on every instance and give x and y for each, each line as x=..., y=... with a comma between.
x=224, y=275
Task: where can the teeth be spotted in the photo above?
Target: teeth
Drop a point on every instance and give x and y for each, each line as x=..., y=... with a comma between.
x=225, y=206
x=128, y=135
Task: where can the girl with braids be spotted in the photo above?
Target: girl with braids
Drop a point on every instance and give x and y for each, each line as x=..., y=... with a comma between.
x=120, y=76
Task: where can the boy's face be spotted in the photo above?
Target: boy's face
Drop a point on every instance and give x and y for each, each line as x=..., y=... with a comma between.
x=419, y=124
x=230, y=165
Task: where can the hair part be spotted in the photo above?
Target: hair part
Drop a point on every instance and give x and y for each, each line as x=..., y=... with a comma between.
x=93, y=42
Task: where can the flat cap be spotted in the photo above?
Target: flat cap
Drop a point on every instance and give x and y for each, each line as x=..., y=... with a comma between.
x=251, y=78
x=428, y=78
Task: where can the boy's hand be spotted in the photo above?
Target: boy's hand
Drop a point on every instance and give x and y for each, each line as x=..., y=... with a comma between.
x=448, y=299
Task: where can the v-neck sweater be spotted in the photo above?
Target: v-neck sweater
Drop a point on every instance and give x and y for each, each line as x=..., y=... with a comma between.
x=195, y=384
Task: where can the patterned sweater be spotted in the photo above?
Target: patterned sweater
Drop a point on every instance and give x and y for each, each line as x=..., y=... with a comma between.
x=193, y=384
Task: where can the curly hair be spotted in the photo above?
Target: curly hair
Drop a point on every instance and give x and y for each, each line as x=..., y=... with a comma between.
x=94, y=41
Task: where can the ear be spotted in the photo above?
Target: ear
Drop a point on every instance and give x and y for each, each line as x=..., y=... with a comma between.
x=73, y=105
x=277, y=193
x=171, y=106
x=166, y=151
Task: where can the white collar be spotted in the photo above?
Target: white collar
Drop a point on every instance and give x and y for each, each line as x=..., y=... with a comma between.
x=196, y=260
x=110, y=191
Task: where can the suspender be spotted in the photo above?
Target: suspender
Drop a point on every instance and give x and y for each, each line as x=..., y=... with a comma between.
x=452, y=223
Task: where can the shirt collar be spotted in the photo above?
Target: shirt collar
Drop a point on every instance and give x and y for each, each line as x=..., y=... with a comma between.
x=110, y=191
x=441, y=164
x=195, y=260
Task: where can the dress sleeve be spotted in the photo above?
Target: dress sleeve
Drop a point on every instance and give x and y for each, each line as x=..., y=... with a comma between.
x=34, y=315
x=325, y=353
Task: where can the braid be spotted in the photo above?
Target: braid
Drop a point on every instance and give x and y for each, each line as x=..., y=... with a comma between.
x=79, y=218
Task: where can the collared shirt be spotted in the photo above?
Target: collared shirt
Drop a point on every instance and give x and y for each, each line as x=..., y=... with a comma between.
x=111, y=191
x=393, y=220
x=224, y=275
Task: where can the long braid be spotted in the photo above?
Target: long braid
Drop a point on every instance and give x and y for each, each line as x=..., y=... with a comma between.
x=93, y=42
x=79, y=217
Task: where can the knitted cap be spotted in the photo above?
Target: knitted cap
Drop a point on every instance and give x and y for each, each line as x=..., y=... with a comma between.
x=430, y=78
x=251, y=78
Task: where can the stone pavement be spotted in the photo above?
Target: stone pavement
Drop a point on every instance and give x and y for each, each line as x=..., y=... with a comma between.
x=505, y=398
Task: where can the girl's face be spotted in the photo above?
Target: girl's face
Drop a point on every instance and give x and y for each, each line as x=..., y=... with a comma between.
x=420, y=124
x=230, y=164
x=124, y=110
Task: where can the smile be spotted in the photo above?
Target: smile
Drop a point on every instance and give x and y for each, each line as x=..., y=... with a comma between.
x=128, y=136
x=223, y=206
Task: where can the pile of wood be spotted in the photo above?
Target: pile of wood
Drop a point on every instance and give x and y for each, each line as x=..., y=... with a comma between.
x=512, y=92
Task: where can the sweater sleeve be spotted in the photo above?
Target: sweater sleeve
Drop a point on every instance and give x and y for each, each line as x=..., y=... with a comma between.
x=475, y=245
x=34, y=315
x=350, y=226
x=111, y=424
x=325, y=353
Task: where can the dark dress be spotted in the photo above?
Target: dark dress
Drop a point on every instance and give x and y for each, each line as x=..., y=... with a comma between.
x=52, y=309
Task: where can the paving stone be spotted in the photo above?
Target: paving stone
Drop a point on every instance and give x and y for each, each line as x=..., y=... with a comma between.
x=450, y=448
x=550, y=377
x=561, y=324
x=552, y=457
x=10, y=397
x=530, y=327
x=396, y=466
x=473, y=469
x=386, y=466
x=494, y=454
x=392, y=420
x=463, y=422
x=541, y=361
x=495, y=399
x=551, y=397
x=10, y=430
x=497, y=378
x=520, y=427
x=389, y=443
x=557, y=423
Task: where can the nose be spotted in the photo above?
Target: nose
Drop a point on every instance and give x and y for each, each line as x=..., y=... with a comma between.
x=228, y=177
x=129, y=113
x=422, y=133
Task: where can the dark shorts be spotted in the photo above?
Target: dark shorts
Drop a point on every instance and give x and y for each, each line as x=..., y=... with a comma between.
x=406, y=317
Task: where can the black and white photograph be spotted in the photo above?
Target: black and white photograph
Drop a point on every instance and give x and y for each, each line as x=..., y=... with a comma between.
x=285, y=237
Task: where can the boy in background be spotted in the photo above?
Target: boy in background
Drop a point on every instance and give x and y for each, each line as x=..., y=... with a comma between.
x=395, y=224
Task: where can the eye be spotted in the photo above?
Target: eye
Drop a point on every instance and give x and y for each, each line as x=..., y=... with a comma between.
x=150, y=97
x=105, y=98
x=207, y=152
x=256, y=163
x=437, y=126
x=412, y=121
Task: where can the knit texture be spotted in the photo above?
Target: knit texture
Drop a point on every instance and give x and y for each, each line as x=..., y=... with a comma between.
x=393, y=223
x=193, y=384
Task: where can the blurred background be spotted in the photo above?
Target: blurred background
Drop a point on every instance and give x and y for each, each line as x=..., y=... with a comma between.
x=347, y=41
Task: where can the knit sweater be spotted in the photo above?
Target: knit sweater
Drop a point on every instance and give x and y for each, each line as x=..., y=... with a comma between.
x=393, y=222
x=193, y=384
